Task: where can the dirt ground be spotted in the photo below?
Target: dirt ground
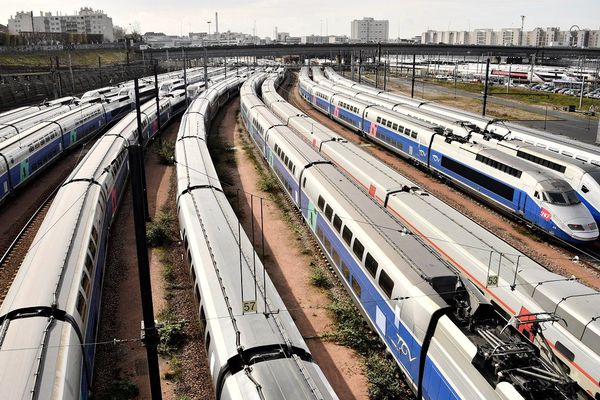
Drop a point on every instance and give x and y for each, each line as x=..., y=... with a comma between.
x=121, y=297
x=286, y=264
x=555, y=258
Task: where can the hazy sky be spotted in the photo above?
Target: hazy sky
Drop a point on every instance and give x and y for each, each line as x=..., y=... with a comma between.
x=407, y=18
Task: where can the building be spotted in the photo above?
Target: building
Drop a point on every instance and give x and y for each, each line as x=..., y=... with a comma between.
x=369, y=30
x=87, y=21
x=538, y=37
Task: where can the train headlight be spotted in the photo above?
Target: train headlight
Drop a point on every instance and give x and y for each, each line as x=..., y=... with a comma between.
x=593, y=226
x=576, y=227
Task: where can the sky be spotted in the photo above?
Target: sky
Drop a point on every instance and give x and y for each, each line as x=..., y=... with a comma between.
x=304, y=17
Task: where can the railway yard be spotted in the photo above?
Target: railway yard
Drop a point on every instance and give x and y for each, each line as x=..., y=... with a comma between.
x=307, y=237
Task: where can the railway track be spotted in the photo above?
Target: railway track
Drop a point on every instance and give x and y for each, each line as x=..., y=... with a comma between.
x=13, y=257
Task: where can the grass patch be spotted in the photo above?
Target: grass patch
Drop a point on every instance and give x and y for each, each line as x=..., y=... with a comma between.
x=351, y=329
x=122, y=390
x=267, y=183
x=319, y=278
x=161, y=230
x=166, y=152
x=384, y=378
x=171, y=336
x=81, y=58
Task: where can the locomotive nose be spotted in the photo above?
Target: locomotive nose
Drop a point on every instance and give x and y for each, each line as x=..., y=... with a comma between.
x=582, y=228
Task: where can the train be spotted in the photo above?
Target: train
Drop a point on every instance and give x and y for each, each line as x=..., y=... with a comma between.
x=447, y=338
x=511, y=185
x=49, y=318
x=561, y=144
x=582, y=176
x=24, y=155
x=254, y=347
x=520, y=287
x=16, y=113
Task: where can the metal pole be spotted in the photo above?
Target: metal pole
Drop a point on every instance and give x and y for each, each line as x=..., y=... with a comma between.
x=150, y=333
x=141, y=144
x=546, y=117
x=100, y=69
x=205, y=70
x=384, y=75
x=581, y=93
x=157, y=99
x=455, y=78
x=485, y=89
x=359, y=66
x=184, y=75
x=509, y=72
x=262, y=238
x=71, y=73
x=412, y=89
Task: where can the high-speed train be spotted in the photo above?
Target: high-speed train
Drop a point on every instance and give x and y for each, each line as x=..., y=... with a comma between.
x=508, y=183
x=254, y=354
x=557, y=143
x=583, y=177
x=15, y=126
x=446, y=337
x=522, y=286
x=16, y=113
x=49, y=318
x=26, y=154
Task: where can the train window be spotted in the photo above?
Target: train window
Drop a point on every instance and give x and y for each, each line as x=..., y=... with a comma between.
x=85, y=283
x=189, y=254
x=81, y=305
x=286, y=160
x=395, y=127
x=304, y=182
x=358, y=249
x=202, y=320
x=89, y=263
x=400, y=128
x=378, y=119
x=328, y=212
x=584, y=189
x=356, y=287
x=207, y=341
x=197, y=294
x=347, y=235
x=389, y=124
x=536, y=194
x=345, y=271
x=407, y=132
x=371, y=264
x=569, y=355
x=193, y=273
x=95, y=234
x=335, y=257
x=386, y=284
x=337, y=223
x=413, y=135
x=320, y=234
x=327, y=244
x=383, y=121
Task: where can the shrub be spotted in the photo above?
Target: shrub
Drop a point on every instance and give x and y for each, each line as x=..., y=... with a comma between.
x=160, y=231
x=166, y=152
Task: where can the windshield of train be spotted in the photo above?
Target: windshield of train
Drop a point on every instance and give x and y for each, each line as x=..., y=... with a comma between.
x=563, y=198
x=595, y=175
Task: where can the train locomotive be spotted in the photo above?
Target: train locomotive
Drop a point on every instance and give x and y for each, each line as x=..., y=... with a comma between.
x=449, y=340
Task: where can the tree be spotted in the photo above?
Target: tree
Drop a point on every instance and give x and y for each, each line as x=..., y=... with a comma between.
x=119, y=33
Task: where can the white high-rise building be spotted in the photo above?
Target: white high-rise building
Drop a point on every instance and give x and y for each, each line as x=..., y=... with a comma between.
x=369, y=30
x=86, y=21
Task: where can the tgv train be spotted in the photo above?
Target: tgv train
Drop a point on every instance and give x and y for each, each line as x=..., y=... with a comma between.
x=507, y=183
x=16, y=113
x=446, y=337
x=521, y=288
x=559, y=144
x=255, y=351
x=26, y=154
x=582, y=176
x=15, y=126
x=49, y=318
